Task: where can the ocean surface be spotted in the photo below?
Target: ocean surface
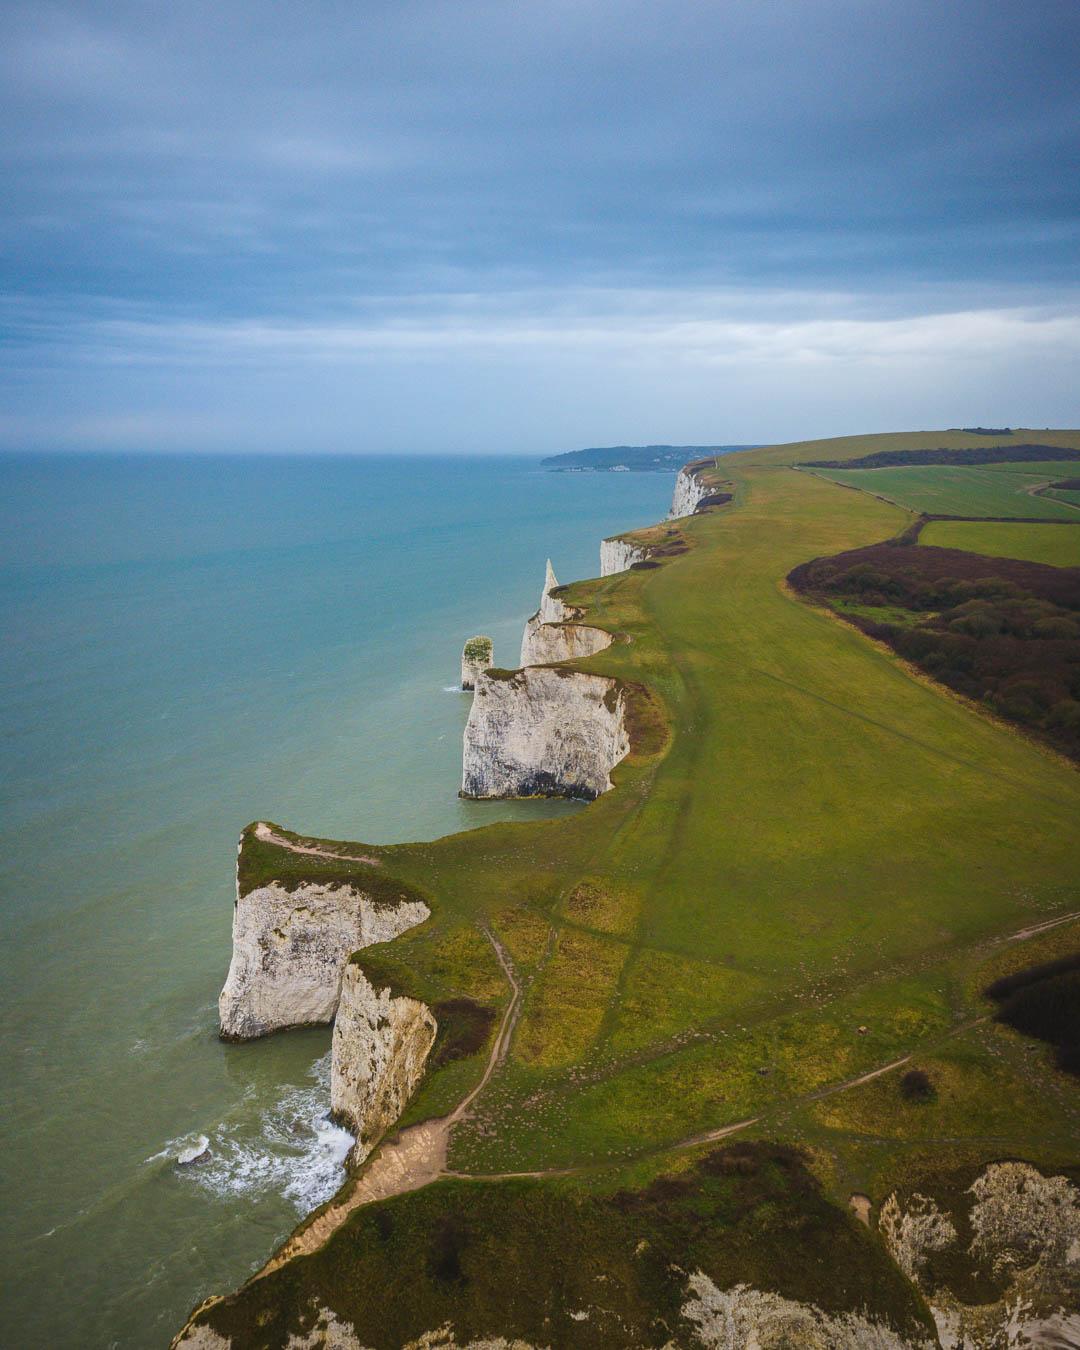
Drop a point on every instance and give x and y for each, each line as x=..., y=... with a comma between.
x=188, y=644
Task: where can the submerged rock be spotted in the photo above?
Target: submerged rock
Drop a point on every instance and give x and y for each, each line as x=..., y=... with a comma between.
x=198, y=1152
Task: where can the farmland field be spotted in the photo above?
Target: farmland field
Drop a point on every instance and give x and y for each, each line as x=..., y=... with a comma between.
x=811, y=865
x=949, y=491
x=1058, y=545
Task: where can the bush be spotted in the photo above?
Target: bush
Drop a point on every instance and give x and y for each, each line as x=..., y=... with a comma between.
x=917, y=1086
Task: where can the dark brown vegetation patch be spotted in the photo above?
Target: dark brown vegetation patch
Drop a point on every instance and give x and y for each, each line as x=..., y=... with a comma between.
x=1043, y=1001
x=518, y=1258
x=998, y=630
x=917, y=1086
x=990, y=454
x=464, y=1026
x=1068, y=485
x=714, y=499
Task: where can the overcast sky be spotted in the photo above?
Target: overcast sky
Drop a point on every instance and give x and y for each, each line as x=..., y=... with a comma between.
x=531, y=225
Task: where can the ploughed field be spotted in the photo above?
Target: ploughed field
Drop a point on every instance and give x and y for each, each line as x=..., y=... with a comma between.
x=812, y=866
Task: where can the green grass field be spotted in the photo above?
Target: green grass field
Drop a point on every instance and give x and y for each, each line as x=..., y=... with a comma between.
x=949, y=491
x=794, y=884
x=1058, y=545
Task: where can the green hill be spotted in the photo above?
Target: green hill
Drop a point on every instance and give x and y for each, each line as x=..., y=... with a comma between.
x=813, y=863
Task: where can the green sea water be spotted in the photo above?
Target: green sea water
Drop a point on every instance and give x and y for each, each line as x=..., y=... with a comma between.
x=190, y=643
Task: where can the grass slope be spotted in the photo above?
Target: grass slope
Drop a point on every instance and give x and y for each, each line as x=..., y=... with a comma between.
x=1058, y=546
x=946, y=490
x=807, y=863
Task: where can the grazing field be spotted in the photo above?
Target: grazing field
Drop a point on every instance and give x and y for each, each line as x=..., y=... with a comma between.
x=949, y=491
x=1058, y=545
x=1070, y=495
x=811, y=867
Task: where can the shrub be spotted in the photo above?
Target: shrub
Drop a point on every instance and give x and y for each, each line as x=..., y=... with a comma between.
x=917, y=1086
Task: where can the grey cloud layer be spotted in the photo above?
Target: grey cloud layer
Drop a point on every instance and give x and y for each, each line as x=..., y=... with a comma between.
x=239, y=169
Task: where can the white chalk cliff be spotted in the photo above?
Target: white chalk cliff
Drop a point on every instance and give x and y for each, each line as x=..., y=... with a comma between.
x=616, y=555
x=551, y=610
x=551, y=642
x=290, y=948
x=1023, y=1226
x=551, y=635
x=381, y=1043
x=543, y=732
x=689, y=492
x=477, y=656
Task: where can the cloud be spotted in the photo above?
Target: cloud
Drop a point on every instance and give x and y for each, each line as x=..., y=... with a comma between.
x=695, y=191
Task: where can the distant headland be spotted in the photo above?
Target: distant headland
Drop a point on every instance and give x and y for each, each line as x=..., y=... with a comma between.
x=635, y=458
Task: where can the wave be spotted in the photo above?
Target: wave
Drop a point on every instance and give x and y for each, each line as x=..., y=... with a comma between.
x=294, y=1150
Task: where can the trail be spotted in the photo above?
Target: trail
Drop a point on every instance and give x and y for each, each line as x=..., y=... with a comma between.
x=413, y=1158
x=417, y=1156
x=269, y=836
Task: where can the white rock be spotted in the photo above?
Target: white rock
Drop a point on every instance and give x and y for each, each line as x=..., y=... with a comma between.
x=195, y=1153
x=689, y=492
x=381, y=1042
x=550, y=610
x=289, y=949
x=616, y=555
x=543, y=732
x=549, y=642
x=476, y=656
x=743, y=1317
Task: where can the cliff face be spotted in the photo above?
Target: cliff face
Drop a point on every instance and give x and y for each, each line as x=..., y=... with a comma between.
x=476, y=656
x=616, y=555
x=1025, y=1242
x=689, y=491
x=543, y=732
x=381, y=1043
x=549, y=642
x=551, y=610
x=289, y=949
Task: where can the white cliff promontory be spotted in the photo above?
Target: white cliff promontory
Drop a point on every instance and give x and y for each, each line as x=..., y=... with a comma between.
x=477, y=655
x=689, y=492
x=543, y=732
x=551, y=610
x=616, y=555
x=381, y=1043
x=551, y=642
x=289, y=949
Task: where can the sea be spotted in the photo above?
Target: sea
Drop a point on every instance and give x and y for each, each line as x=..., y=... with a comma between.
x=191, y=642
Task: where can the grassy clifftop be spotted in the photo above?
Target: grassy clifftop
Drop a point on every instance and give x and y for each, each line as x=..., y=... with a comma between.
x=806, y=882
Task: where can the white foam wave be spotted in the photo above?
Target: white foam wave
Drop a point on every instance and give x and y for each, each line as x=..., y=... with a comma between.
x=452, y=689
x=296, y=1150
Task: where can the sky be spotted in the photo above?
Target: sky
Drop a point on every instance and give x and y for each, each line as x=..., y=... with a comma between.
x=524, y=226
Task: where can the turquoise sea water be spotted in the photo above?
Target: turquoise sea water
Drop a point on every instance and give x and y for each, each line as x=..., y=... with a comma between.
x=188, y=644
